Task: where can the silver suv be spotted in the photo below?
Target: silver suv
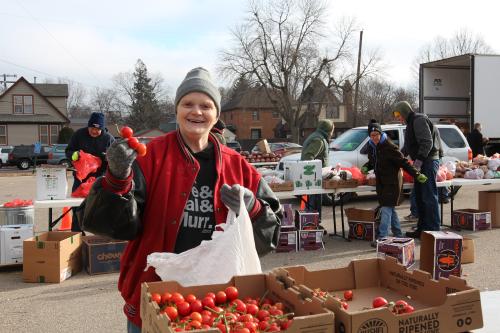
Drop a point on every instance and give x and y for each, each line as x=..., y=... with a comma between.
x=351, y=147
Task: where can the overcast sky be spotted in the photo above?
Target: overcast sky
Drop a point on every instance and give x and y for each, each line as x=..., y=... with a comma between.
x=90, y=41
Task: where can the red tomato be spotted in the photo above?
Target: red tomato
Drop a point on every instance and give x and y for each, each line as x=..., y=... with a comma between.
x=196, y=316
x=242, y=330
x=171, y=312
x=231, y=293
x=379, y=302
x=400, y=306
x=155, y=297
x=210, y=295
x=190, y=298
x=220, y=297
x=239, y=306
x=195, y=324
x=409, y=309
x=176, y=298
x=252, y=309
x=264, y=325
x=221, y=327
x=133, y=142
x=184, y=308
x=262, y=314
x=251, y=326
x=208, y=302
x=286, y=324
x=126, y=132
x=206, y=319
x=141, y=149
x=196, y=306
x=344, y=305
x=348, y=295
x=165, y=297
x=279, y=306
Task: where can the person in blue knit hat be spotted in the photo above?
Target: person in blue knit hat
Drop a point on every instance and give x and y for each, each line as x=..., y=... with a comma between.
x=93, y=139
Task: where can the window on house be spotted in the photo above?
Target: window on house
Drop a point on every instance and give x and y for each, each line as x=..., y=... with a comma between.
x=3, y=134
x=276, y=114
x=255, y=133
x=255, y=115
x=54, y=134
x=23, y=104
x=44, y=134
x=332, y=111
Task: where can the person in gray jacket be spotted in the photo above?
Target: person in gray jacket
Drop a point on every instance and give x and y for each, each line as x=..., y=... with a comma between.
x=423, y=144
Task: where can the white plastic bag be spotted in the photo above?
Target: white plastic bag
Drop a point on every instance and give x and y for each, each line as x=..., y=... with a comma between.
x=230, y=252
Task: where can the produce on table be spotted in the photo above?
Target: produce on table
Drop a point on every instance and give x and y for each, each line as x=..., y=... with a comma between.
x=260, y=157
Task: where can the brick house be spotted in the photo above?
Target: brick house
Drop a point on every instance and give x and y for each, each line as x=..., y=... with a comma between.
x=32, y=113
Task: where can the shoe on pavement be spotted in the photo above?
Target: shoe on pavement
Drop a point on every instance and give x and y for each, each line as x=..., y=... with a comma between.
x=411, y=218
x=413, y=234
x=373, y=244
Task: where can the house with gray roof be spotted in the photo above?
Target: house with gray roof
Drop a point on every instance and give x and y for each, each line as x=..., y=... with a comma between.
x=32, y=112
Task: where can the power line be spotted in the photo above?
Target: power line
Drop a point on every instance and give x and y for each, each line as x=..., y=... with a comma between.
x=58, y=42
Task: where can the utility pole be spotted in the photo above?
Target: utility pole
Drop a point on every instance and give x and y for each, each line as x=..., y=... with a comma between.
x=357, y=80
x=5, y=76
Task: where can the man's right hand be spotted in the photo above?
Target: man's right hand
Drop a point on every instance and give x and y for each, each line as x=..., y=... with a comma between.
x=120, y=158
x=421, y=178
x=75, y=156
x=364, y=170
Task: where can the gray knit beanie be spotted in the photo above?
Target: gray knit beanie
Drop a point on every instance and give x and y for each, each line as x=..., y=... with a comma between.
x=198, y=80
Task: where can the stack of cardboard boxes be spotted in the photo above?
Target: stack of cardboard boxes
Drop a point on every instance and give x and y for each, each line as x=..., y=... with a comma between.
x=287, y=239
x=309, y=234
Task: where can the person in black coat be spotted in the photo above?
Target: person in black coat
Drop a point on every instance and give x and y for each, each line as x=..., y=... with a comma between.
x=386, y=160
x=477, y=141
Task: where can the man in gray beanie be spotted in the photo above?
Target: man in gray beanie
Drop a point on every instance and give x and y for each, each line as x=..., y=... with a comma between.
x=172, y=198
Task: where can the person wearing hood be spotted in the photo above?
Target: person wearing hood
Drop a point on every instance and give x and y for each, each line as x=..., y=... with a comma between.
x=218, y=131
x=93, y=139
x=315, y=147
x=386, y=160
x=423, y=145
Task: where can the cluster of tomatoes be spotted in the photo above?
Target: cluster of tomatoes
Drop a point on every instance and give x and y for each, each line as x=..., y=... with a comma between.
x=127, y=133
x=223, y=310
x=398, y=307
x=260, y=157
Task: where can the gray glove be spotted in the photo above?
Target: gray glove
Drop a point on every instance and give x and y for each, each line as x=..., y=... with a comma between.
x=230, y=196
x=417, y=164
x=120, y=158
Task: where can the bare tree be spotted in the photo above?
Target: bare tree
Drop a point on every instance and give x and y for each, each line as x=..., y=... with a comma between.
x=463, y=41
x=278, y=47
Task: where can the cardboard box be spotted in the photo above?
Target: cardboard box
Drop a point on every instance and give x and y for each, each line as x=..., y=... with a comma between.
x=310, y=315
x=471, y=219
x=287, y=240
x=403, y=249
x=52, y=256
x=11, y=242
x=447, y=305
x=468, y=251
x=102, y=255
x=328, y=184
x=361, y=223
x=51, y=182
x=310, y=240
x=489, y=201
x=306, y=220
x=281, y=187
x=441, y=253
x=264, y=146
x=288, y=216
x=304, y=174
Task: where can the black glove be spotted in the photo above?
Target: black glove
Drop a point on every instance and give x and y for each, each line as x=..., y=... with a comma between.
x=120, y=158
x=230, y=196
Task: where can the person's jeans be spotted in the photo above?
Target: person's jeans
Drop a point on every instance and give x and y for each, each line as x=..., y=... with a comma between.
x=413, y=203
x=427, y=198
x=389, y=217
x=132, y=328
x=75, y=226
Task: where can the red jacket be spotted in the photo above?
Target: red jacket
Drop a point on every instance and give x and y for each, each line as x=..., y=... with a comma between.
x=164, y=177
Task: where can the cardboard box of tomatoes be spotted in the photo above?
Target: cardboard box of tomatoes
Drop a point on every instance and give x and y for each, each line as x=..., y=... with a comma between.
x=246, y=303
x=381, y=295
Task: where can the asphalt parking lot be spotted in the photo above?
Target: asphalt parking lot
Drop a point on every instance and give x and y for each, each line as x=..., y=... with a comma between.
x=87, y=303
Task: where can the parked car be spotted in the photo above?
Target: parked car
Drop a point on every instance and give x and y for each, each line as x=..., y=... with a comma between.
x=57, y=155
x=24, y=156
x=235, y=145
x=351, y=147
x=4, y=155
x=281, y=148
